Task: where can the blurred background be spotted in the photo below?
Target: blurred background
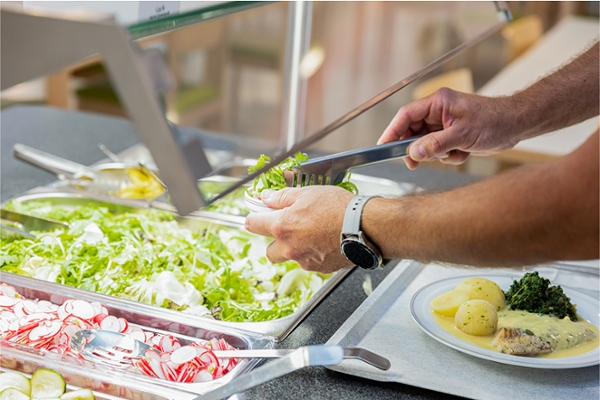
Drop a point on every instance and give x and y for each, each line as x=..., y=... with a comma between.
x=229, y=73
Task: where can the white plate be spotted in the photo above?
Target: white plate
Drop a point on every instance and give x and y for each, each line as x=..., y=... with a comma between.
x=587, y=307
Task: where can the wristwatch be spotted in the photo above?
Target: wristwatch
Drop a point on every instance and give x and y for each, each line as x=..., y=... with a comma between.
x=353, y=243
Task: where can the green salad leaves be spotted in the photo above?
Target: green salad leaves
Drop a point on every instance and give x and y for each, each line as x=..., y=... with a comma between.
x=274, y=178
x=148, y=256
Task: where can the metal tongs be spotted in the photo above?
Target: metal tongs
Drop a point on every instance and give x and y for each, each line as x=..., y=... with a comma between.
x=107, y=177
x=330, y=170
x=23, y=225
x=118, y=349
x=307, y=356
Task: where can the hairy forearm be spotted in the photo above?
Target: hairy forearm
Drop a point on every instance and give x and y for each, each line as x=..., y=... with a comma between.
x=535, y=214
x=563, y=98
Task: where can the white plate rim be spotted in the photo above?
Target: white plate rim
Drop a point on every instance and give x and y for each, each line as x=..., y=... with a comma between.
x=420, y=311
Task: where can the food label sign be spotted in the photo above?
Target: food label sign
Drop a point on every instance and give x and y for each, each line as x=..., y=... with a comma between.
x=153, y=10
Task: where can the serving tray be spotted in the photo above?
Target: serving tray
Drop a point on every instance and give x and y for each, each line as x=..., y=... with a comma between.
x=383, y=324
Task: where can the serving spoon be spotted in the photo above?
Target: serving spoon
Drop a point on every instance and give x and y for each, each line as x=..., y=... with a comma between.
x=117, y=349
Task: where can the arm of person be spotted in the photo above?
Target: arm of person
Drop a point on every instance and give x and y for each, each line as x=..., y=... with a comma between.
x=461, y=124
x=532, y=214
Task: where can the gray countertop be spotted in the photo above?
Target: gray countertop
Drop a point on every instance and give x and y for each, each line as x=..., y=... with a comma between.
x=75, y=135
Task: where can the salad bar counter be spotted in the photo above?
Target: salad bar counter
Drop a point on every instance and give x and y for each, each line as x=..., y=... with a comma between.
x=186, y=287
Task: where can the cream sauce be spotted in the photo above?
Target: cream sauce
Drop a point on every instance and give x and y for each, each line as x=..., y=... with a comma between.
x=567, y=338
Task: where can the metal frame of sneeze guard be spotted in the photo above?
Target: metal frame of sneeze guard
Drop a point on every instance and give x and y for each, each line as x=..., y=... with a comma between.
x=36, y=43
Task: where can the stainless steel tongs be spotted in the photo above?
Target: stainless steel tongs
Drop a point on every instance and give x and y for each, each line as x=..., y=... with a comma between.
x=330, y=170
x=303, y=357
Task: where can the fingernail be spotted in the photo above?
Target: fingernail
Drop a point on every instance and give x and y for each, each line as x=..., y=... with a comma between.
x=417, y=153
x=266, y=194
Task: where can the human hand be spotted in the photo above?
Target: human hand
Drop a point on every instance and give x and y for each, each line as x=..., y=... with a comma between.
x=306, y=226
x=457, y=124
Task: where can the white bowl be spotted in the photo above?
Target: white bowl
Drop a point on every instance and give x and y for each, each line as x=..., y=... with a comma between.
x=255, y=205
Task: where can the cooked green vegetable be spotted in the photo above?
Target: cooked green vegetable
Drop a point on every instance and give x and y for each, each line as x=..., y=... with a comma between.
x=533, y=293
x=274, y=178
x=219, y=272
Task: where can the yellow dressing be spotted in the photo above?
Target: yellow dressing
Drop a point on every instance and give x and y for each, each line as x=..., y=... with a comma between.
x=568, y=338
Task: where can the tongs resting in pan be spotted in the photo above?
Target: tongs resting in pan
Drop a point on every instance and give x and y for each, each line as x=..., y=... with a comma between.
x=25, y=224
x=330, y=170
x=108, y=177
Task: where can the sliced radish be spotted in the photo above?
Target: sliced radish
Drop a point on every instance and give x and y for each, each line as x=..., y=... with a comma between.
x=62, y=312
x=19, y=309
x=44, y=331
x=6, y=301
x=202, y=376
x=168, y=372
x=97, y=307
x=99, y=318
x=14, y=325
x=151, y=354
x=110, y=323
x=82, y=309
x=70, y=329
x=9, y=291
x=138, y=334
x=68, y=305
x=145, y=368
x=184, y=354
x=29, y=307
x=123, y=325
x=155, y=365
x=208, y=357
x=35, y=317
x=155, y=341
x=166, y=343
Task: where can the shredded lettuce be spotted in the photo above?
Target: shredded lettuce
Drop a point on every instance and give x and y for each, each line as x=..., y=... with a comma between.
x=219, y=272
x=274, y=178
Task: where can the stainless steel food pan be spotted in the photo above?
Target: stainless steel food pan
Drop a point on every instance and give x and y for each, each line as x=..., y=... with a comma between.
x=114, y=381
x=278, y=329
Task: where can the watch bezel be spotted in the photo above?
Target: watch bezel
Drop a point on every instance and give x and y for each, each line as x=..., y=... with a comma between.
x=369, y=247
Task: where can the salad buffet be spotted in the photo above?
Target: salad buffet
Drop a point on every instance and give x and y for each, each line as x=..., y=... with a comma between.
x=185, y=287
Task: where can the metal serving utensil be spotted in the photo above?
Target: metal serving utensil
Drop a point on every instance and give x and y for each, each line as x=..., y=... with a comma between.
x=330, y=170
x=117, y=349
x=23, y=224
x=107, y=177
x=298, y=359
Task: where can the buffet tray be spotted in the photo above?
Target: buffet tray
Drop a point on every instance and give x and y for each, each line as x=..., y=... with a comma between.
x=278, y=329
x=383, y=324
x=113, y=381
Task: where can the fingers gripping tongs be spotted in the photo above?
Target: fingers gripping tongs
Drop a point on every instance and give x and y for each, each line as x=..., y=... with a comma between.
x=330, y=170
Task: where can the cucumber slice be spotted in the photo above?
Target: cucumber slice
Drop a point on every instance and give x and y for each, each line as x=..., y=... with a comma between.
x=13, y=394
x=81, y=394
x=15, y=380
x=47, y=383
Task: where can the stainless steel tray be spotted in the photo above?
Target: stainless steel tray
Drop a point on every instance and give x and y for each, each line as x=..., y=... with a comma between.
x=278, y=329
x=118, y=382
x=383, y=324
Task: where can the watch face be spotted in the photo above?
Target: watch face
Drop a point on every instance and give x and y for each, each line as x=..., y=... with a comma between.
x=360, y=254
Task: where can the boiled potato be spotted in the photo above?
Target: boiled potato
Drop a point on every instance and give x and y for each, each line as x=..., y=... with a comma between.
x=476, y=317
x=484, y=289
x=447, y=303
